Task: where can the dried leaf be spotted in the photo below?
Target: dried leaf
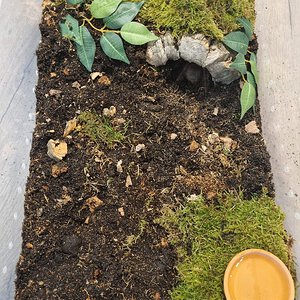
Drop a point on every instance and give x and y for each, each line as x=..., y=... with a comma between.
x=93, y=203
x=57, y=149
x=229, y=143
x=251, y=127
x=65, y=199
x=104, y=80
x=194, y=146
x=70, y=126
x=128, y=182
x=58, y=169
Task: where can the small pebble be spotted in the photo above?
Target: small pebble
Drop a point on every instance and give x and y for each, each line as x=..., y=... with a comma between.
x=173, y=136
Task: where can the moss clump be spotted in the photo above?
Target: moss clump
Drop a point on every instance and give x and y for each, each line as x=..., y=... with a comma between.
x=208, y=236
x=213, y=18
x=99, y=129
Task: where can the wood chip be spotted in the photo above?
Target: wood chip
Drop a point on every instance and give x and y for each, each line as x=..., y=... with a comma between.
x=70, y=127
x=173, y=136
x=109, y=112
x=229, y=143
x=140, y=147
x=54, y=92
x=94, y=75
x=104, y=80
x=58, y=169
x=121, y=211
x=29, y=246
x=194, y=146
x=57, y=149
x=128, y=182
x=252, y=127
x=119, y=166
x=76, y=85
x=93, y=202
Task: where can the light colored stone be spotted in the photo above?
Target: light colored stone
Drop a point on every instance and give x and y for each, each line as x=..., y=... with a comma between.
x=220, y=72
x=156, y=53
x=194, y=49
x=217, y=52
x=162, y=50
x=170, y=48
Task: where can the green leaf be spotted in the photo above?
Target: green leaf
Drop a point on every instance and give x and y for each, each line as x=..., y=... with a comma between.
x=112, y=46
x=237, y=41
x=247, y=27
x=250, y=79
x=103, y=8
x=75, y=2
x=253, y=57
x=247, y=99
x=70, y=29
x=239, y=64
x=254, y=67
x=137, y=34
x=86, y=51
x=125, y=13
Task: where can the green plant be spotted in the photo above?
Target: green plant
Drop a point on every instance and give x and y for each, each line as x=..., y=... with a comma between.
x=213, y=18
x=99, y=128
x=207, y=235
x=239, y=42
x=116, y=17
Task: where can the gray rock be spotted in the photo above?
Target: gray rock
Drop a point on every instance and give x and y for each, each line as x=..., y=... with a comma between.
x=194, y=49
x=170, y=47
x=162, y=50
x=217, y=52
x=156, y=53
x=221, y=72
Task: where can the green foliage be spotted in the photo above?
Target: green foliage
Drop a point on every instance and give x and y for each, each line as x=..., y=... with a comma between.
x=125, y=13
x=99, y=129
x=239, y=42
x=115, y=15
x=136, y=33
x=206, y=237
x=213, y=18
x=87, y=49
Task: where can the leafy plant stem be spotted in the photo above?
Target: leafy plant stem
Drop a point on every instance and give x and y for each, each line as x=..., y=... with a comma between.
x=102, y=30
x=243, y=77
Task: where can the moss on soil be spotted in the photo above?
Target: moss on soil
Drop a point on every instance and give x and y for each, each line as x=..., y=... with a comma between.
x=212, y=18
x=99, y=129
x=207, y=236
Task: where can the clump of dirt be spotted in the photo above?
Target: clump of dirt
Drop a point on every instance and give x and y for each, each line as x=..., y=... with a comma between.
x=176, y=142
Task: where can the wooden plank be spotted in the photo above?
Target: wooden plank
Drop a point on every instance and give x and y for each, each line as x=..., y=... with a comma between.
x=278, y=30
x=18, y=42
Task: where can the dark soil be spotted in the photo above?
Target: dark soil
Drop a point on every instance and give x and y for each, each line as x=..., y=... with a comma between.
x=117, y=251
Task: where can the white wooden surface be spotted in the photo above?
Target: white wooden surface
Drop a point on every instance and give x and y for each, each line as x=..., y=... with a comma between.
x=278, y=30
x=19, y=38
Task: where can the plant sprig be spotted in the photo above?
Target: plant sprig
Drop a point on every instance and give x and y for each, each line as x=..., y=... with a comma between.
x=118, y=24
x=239, y=42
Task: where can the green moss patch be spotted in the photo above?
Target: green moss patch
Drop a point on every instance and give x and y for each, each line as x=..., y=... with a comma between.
x=207, y=236
x=99, y=129
x=212, y=18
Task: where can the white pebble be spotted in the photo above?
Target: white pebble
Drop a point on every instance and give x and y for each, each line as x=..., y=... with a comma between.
x=173, y=136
